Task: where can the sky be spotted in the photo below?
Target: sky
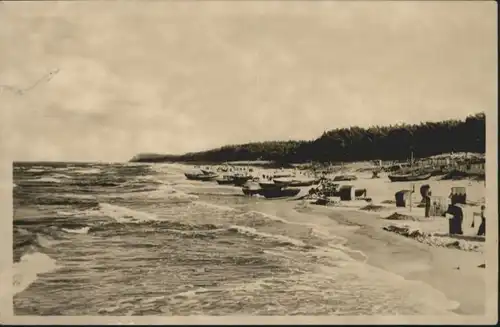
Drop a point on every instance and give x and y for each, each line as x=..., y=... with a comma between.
x=133, y=77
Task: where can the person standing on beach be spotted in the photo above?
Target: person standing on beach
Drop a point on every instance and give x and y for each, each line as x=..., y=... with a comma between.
x=456, y=219
x=482, y=228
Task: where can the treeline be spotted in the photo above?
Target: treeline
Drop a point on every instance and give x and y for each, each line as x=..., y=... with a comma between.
x=394, y=142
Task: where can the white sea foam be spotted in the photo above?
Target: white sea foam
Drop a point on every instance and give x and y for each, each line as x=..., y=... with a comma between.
x=49, y=180
x=125, y=215
x=167, y=192
x=26, y=271
x=249, y=231
x=314, y=229
x=35, y=170
x=213, y=206
x=63, y=176
x=44, y=179
x=83, y=230
x=87, y=171
x=67, y=213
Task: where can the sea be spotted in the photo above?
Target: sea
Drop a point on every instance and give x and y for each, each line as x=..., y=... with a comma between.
x=140, y=239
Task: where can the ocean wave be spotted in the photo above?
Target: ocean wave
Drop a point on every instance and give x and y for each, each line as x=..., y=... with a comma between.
x=83, y=230
x=63, y=200
x=279, y=239
x=200, y=233
x=26, y=240
x=164, y=192
x=44, y=180
x=26, y=271
x=35, y=170
x=170, y=193
x=156, y=226
x=23, y=238
x=58, y=175
x=123, y=214
x=257, y=218
x=91, y=171
x=213, y=206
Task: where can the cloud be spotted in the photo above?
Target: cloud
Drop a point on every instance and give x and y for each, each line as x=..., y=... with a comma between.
x=174, y=77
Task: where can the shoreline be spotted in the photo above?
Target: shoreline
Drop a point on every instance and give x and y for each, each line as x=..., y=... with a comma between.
x=453, y=272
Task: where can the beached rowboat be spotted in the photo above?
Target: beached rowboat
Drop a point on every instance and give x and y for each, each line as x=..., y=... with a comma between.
x=270, y=190
x=295, y=182
x=240, y=180
x=266, y=185
x=409, y=177
x=272, y=193
x=201, y=177
x=225, y=180
x=345, y=178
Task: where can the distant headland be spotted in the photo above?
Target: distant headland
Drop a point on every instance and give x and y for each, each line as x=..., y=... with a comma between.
x=394, y=142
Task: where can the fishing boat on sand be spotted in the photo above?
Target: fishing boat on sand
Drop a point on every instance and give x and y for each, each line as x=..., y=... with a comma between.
x=240, y=180
x=204, y=176
x=207, y=171
x=270, y=190
x=280, y=192
x=282, y=174
x=225, y=180
x=251, y=189
x=345, y=178
x=410, y=177
x=267, y=184
x=234, y=179
x=295, y=182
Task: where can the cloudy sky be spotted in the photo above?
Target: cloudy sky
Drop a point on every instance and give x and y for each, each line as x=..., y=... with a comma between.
x=171, y=77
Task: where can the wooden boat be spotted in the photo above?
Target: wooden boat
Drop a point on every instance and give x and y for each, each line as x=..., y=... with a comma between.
x=208, y=177
x=251, y=191
x=251, y=188
x=207, y=171
x=279, y=192
x=268, y=185
x=345, y=178
x=201, y=177
x=192, y=176
x=409, y=177
x=225, y=180
x=282, y=175
x=295, y=182
x=270, y=192
x=240, y=180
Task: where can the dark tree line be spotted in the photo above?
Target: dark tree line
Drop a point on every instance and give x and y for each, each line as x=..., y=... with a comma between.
x=395, y=142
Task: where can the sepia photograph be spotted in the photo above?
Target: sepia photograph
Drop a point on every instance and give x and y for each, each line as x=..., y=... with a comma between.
x=297, y=161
